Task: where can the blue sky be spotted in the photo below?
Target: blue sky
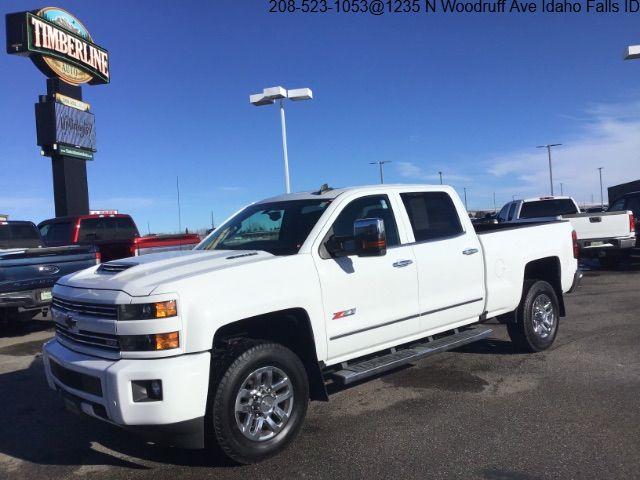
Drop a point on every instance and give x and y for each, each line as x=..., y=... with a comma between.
x=470, y=95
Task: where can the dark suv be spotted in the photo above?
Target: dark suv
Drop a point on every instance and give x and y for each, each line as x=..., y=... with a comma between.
x=629, y=201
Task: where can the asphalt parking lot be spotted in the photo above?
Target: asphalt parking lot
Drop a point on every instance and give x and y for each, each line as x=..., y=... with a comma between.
x=482, y=412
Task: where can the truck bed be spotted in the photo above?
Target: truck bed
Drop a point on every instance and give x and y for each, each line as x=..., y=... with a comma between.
x=505, y=265
x=601, y=225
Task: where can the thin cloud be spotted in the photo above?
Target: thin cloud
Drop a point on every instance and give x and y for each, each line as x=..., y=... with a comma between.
x=610, y=138
x=410, y=170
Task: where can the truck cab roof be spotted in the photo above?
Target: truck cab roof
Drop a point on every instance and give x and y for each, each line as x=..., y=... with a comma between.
x=332, y=193
x=549, y=197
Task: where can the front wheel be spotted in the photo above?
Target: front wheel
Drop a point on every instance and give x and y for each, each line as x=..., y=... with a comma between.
x=535, y=324
x=260, y=402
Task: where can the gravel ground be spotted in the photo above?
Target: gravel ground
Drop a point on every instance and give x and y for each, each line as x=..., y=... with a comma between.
x=483, y=411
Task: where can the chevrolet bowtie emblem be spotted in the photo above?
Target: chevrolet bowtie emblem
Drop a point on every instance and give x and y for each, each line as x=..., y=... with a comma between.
x=69, y=321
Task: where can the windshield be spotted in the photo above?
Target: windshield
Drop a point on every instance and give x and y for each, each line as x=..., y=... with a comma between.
x=279, y=228
x=548, y=208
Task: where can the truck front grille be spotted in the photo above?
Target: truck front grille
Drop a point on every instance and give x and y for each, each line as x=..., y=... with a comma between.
x=90, y=339
x=90, y=309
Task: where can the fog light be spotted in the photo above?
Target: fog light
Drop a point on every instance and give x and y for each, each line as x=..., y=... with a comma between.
x=146, y=390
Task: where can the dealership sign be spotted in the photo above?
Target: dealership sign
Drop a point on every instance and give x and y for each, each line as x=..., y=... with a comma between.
x=59, y=45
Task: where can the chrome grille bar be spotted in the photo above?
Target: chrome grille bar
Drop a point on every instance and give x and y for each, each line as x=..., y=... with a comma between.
x=89, y=309
x=93, y=339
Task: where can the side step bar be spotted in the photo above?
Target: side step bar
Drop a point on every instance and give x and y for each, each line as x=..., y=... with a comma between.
x=357, y=371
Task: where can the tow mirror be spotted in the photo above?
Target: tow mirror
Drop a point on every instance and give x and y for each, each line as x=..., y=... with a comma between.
x=370, y=237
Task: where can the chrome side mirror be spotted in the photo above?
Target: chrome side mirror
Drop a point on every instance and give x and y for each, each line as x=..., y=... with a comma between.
x=370, y=237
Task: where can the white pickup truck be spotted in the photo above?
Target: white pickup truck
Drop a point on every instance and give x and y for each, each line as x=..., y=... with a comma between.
x=601, y=234
x=228, y=342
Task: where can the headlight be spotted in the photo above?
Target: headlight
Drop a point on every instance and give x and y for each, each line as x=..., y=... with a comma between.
x=145, y=311
x=149, y=343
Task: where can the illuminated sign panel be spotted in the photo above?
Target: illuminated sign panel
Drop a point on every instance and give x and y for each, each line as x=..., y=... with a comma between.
x=60, y=125
x=75, y=127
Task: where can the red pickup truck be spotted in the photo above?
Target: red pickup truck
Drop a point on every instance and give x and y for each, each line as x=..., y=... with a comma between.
x=114, y=235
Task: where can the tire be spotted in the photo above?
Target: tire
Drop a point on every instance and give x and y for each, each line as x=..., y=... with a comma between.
x=9, y=319
x=244, y=398
x=535, y=324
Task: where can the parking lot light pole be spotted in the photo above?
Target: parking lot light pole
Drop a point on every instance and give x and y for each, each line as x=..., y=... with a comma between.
x=440, y=173
x=548, y=147
x=561, y=192
x=465, y=199
x=601, y=195
x=268, y=97
x=380, y=163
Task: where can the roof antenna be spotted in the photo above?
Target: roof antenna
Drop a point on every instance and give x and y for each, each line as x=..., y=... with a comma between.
x=323, y=189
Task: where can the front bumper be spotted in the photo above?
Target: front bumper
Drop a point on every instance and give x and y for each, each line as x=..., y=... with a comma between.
x=28, y=299
x=102, y=389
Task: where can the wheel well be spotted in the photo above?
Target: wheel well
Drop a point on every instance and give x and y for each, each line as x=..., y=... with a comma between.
x=291, y=328
x=549, y=270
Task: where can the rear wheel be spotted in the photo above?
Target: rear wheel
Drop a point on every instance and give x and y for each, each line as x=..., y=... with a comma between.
x=534, y=326
x=260, y=402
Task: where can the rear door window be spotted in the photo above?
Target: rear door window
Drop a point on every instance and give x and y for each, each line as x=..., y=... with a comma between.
x=19, y=235
x=618, y=205
x=88, y=230
x=56, y=233
x=126, y=229
x=633, y=204
x=548, y=208
x=432, y=215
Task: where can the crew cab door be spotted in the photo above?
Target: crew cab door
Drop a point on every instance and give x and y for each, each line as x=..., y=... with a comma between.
x=368, y=301
x=449, y=258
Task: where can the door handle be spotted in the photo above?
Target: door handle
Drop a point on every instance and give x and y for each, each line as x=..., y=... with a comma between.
x=402, y=263
x=470, y=251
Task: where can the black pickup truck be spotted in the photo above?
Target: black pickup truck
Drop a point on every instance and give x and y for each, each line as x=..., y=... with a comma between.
x=28, y=270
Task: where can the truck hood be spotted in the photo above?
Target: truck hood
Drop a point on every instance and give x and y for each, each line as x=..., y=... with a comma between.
x=140, y=276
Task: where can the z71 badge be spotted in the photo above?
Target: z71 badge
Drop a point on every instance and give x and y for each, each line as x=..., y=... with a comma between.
x=344, y=313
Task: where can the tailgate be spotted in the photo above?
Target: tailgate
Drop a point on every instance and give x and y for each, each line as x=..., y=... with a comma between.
x=41, y=267
x=601, y=225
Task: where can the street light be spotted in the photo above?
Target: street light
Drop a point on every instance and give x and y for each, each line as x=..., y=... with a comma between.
x=632, y=52
x=601, y=195
x=440, y=173
x=548, y=147
x=561, y=192
x=380, y=163
x=465, y=199
x=268, y=97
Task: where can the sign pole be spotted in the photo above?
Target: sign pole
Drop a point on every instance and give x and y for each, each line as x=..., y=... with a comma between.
x=70, y=189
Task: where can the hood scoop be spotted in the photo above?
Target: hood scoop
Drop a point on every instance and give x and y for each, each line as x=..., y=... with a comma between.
x=111, y=267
